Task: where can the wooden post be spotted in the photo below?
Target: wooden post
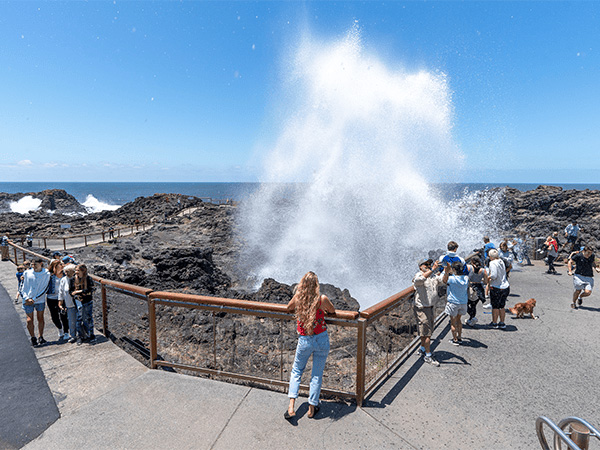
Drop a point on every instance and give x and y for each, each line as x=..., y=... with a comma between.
x=152, y=323
x=361, y=350
x=85, y=239
x=103, y=236
x=119, y=232
x=104, y=312
x=45, y=244
x=65, y=243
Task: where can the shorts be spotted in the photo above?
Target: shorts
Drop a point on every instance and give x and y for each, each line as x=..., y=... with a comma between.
x=37, y=306
x=583, y=283
x=454, y=309
x=424, y=320
x=498, y=297
x=571, y=239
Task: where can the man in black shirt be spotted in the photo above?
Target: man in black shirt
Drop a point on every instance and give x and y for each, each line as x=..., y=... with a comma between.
x=583, y=281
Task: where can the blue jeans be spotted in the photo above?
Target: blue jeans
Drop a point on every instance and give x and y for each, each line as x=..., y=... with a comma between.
x=74, y=316
x=87, y=320
x=318, y=346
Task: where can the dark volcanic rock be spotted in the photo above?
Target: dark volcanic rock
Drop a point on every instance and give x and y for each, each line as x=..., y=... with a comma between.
x=56, y=200
x=542, y=211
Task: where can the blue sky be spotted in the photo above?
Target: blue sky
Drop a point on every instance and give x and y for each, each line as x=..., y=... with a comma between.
x=189, y=91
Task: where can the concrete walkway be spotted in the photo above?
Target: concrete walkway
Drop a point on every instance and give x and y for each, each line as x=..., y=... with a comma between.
x=486, y=394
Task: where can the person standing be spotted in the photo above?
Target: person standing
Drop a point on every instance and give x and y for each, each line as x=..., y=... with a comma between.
x=552, y=253
x=81, y=287
x=310, y=308
x=476, y=290
x=425, y=283
x=497, y=282
x=487, y=246
x=571, y=233
x=35, y=283
x=59, y=318
x=72, y=306
x=451, y=257
x=583, y=278
x=458, y=297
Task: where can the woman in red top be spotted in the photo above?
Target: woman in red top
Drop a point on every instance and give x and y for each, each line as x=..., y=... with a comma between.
x=310, y=307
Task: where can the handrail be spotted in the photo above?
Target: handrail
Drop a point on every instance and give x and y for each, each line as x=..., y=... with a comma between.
x=376, y=310
x=539, y=423
x=233, y=303
x=350, y=319
x=561, y=435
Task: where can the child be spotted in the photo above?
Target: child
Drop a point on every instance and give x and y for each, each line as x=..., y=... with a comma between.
x=20, y=271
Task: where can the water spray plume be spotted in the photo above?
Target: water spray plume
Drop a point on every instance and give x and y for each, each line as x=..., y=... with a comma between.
x=365, y=139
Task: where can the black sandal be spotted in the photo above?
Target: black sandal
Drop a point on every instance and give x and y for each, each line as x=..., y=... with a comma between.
x=287, y=416
x=316, y=411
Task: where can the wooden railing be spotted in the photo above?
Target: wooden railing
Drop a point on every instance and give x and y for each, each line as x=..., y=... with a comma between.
x=368, y=373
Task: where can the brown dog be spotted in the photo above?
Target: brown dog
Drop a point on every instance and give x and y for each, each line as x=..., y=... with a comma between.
x=524, y=308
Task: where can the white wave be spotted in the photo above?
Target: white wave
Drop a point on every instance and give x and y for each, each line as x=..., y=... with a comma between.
x=25, y=204
x=92, y=204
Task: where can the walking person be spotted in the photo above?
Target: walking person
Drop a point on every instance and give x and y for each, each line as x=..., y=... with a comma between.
x=458, y=297
x=583, y=278
x=68, y=303
x=81, y=287
x=310, y=308
x=59, y=318
x=425, y=283
x=499, y=287
x=35, y=283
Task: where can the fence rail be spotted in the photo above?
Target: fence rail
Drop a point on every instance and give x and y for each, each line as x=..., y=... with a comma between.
x=368, y=345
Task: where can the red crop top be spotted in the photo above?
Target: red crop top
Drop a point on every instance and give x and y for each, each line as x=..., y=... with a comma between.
x=320, y=324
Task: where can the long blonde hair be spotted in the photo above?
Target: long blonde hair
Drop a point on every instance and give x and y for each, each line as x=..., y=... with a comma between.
x=307, y=298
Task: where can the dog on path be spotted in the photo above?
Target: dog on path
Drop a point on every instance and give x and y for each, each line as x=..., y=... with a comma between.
x=524, y=308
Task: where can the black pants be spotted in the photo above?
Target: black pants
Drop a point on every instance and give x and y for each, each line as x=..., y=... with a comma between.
x=58, y=319
x=551, y=268
x=472, y=304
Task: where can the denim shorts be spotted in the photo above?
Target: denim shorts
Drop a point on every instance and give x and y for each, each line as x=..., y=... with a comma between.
x=37, y=306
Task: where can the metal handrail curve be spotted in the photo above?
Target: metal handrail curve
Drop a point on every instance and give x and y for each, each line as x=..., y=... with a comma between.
x=559, y=434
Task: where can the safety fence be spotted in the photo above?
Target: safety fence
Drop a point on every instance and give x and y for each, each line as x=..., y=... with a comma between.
x=252, y=342
x=79, y=240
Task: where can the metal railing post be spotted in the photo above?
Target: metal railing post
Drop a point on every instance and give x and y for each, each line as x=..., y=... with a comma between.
x=152, y=323
x=104, y=311
x=361, y=350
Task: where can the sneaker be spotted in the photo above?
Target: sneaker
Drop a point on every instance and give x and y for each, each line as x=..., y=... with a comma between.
x=494, y=325
x=431, y=360
x=460, y=341
x=72, y=340
x=420, y=351
x=579, y=301
x=453, y=342
x=66, y=336
x=469, y=322
x=79, y=341
x=487, y=306
x=502, y=325
x=34, y=341
x=42, y=341
x=61, y=335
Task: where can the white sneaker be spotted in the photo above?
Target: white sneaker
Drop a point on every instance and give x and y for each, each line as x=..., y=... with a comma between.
x=66, y=336
x=431, y=360
x=487, y=306
x=474, y=321
x=60, y=334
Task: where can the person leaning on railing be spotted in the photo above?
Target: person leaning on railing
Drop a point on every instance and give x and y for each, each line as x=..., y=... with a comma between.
x=310, y=307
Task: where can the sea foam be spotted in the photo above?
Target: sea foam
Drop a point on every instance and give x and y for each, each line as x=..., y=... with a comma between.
x=92, y=204
x=25, y=205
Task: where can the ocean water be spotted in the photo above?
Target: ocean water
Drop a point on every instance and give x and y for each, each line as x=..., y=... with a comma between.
x=103, y=196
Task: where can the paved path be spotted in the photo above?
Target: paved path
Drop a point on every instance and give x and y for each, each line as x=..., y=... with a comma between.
x=486, y=394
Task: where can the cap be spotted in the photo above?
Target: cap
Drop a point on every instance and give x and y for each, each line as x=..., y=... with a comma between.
x=425, y=261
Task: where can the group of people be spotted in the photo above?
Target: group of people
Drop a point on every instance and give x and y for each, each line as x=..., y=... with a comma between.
x=67, y=290
x=464, y=285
